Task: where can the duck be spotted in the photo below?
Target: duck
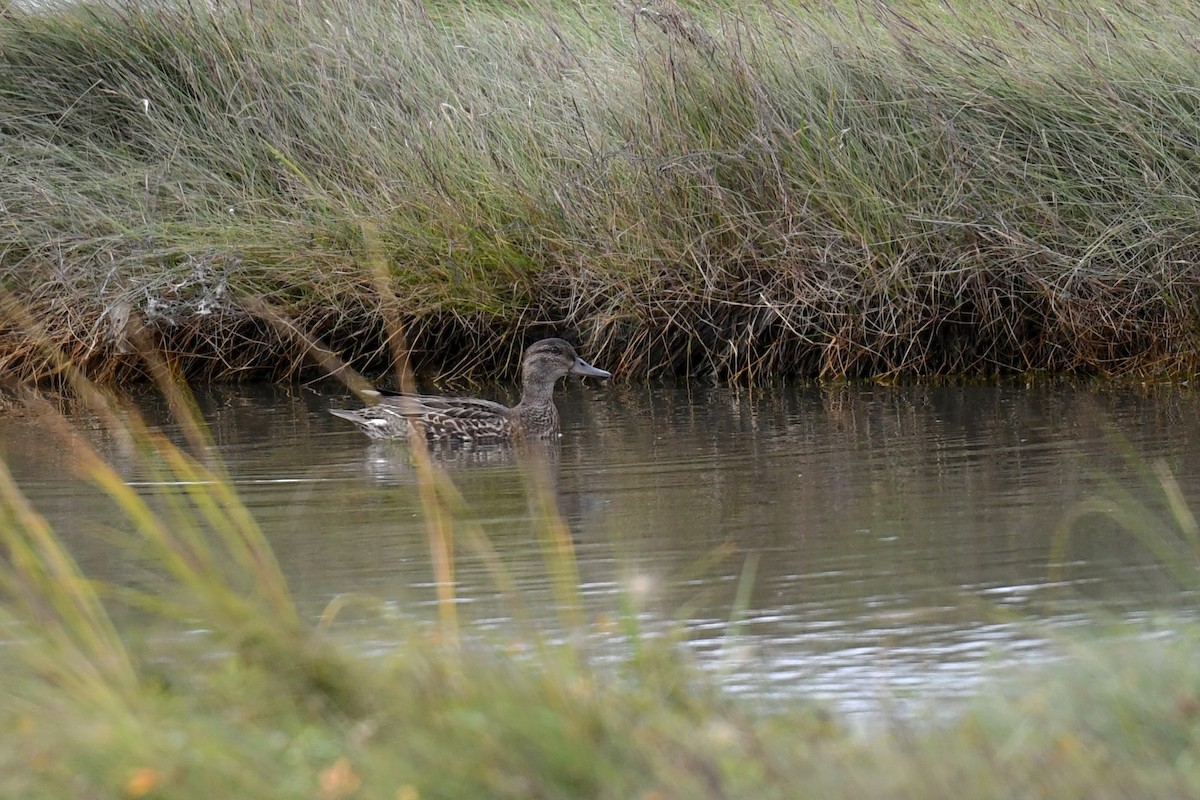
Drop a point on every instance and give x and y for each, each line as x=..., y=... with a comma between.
x=467, y=419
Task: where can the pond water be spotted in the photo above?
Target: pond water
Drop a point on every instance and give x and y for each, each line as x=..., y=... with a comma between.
x=892, y=544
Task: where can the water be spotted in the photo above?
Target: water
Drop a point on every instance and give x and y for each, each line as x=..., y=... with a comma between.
x=896, y=543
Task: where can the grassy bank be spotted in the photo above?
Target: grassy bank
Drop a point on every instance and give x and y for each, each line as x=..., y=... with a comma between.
x=202, y=680
x=848, y=189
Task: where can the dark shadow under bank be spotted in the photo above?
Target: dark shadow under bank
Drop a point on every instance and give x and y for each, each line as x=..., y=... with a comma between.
x=237, y=346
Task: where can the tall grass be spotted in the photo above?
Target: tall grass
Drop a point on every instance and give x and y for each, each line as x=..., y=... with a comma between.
x=830, y=190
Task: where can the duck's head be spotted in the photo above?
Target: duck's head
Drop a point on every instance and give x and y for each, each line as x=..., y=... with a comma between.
x=550, y=359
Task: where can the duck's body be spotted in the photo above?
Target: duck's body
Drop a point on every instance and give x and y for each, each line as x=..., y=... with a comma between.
x=468, y=419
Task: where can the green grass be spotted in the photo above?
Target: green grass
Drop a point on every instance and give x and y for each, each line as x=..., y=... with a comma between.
x=839, y=190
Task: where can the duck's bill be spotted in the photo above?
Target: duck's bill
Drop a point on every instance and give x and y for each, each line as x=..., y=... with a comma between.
x=581, y=367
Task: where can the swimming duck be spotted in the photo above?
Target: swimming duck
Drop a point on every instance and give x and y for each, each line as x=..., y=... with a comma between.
x=467, y=419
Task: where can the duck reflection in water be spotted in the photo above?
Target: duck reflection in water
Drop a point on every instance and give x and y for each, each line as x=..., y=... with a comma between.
x=388, y=464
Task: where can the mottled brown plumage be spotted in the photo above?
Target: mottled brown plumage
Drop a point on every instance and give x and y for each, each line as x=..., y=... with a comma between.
x=467, y=419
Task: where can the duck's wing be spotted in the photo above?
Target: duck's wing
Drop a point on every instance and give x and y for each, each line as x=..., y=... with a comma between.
x=462, y=418
x=461, y=407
